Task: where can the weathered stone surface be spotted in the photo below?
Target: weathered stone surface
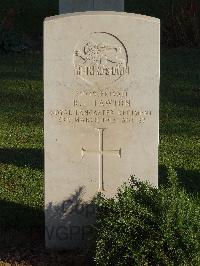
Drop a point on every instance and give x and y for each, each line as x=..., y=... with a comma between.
x=101, y=79
x=69, y=6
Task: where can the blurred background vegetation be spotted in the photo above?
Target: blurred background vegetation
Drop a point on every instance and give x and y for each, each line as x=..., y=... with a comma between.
x=180, y=19
x=29, y=14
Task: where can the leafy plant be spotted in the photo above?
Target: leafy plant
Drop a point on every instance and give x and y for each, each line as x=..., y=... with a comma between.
x=144, y=225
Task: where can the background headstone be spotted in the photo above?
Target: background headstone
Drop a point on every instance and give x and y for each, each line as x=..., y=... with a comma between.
x=101, y=78
x=69, y=6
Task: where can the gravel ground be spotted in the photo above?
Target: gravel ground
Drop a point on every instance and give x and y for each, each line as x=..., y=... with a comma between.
x=17, y=249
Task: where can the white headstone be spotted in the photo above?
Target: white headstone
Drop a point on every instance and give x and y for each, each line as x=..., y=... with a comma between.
x=69, y=6
x=101, y=79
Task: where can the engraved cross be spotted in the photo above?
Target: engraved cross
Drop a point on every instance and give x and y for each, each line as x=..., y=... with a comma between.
x=101, y=153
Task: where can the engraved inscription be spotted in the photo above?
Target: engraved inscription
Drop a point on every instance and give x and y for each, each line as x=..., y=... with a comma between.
x=105, y=116
x=101, y=108
x=101, y=59
x=100, y=153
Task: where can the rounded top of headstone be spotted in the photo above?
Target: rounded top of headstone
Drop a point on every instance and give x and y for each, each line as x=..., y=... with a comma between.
x=104, y=13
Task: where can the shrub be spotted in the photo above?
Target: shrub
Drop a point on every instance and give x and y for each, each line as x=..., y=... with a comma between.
x=148, y=226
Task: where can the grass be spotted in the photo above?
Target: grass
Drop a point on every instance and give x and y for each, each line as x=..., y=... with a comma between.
x=21, y=139
x=180, y=116
x=21, y=132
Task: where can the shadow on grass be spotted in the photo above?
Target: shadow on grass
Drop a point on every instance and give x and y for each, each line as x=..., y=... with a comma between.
x=22, y=232
x=179, y=96
x=20, y=225
x=22, y=66
x=24, y=76
x=188, y=179
x=33, y=158
x=163, y=175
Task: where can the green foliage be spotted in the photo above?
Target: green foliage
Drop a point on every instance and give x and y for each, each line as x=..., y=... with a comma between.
x=164, y=227
x=148, y=226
